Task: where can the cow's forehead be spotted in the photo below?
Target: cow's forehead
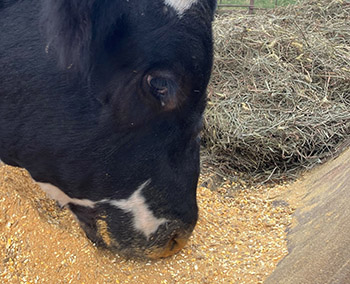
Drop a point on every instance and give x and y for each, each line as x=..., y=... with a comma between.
x=180, y=5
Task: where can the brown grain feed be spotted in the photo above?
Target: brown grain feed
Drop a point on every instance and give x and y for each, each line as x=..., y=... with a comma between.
x=240, y=237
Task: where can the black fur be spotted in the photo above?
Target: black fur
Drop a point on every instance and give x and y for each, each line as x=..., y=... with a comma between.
x=68, y=26
x=78, y=108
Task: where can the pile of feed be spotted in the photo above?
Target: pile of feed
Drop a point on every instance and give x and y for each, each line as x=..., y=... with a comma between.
x=279, y=97
x=240, y=237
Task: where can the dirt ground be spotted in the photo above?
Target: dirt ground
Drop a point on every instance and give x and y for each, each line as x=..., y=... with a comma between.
x=239, y=238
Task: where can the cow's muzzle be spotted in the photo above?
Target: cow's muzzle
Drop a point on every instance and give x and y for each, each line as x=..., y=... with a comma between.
x=173, y=246
x=168, y=240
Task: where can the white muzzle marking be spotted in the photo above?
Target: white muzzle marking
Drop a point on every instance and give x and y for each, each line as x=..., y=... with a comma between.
x=180, y=5
x=143, y=218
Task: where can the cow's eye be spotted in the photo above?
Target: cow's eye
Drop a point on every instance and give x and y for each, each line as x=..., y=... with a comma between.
x=162, y=89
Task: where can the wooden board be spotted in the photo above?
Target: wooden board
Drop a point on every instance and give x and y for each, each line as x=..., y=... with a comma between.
x=319, y=241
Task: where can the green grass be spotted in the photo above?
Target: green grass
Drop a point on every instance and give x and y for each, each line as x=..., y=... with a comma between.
x=259, y=3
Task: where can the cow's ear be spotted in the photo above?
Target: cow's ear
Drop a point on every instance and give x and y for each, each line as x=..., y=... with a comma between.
x=68, y=26
x=162, y=88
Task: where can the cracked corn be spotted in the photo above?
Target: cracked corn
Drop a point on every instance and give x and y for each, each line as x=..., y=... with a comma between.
x=239, y=238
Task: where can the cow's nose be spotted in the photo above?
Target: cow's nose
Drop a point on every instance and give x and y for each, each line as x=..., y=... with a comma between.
x=173, y=246
x=169, y=239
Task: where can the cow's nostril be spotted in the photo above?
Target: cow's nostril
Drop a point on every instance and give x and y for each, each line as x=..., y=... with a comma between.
x=173, y=246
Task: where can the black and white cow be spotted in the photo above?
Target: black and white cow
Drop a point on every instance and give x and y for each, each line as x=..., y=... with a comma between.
x=102, y=101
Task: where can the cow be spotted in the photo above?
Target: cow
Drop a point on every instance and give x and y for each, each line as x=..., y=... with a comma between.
x=102, y=102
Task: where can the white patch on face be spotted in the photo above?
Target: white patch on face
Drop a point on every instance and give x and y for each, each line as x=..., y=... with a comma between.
x=62, y=198
x=143, y=218
x=180, y=5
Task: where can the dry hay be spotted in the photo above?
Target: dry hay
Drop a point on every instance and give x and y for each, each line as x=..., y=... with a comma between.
x=279, y=97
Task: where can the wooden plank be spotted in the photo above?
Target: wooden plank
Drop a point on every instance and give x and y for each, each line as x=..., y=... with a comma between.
x=319, y=242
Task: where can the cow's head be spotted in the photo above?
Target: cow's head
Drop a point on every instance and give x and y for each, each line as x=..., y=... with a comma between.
x=148, y=63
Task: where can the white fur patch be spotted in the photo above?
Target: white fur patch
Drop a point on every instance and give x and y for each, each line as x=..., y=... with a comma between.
x=143, y=218
x=62, y=198
x=180, y=5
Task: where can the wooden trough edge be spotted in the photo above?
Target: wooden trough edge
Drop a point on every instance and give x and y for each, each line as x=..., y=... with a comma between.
x=319, y=241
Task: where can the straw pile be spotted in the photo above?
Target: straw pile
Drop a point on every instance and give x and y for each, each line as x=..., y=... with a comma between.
x=279, y=97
